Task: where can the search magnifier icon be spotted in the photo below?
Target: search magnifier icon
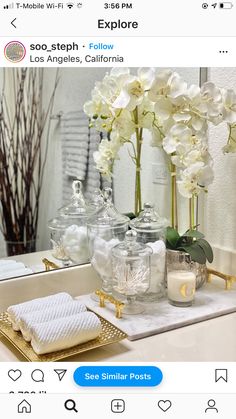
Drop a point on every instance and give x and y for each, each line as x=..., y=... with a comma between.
x=70, y=405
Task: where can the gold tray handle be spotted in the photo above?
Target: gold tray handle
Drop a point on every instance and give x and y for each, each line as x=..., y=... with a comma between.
x=103, y=297
x=229, y=279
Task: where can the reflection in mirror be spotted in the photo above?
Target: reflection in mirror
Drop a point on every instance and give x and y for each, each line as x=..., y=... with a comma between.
x=46, y=144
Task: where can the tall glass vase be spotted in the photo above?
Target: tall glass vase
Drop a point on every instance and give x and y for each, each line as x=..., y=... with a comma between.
x=14, y=248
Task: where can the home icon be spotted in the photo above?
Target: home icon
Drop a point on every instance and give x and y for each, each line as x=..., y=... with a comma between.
x=24, y=407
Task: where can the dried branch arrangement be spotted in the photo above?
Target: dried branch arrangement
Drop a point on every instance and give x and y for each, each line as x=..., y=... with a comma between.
x=24, y=140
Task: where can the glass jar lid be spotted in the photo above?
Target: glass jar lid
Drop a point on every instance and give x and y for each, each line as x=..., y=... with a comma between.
x=130, y=247
x=97, y=199
x=149, y=220
x=61, y=222
x=108, y=215
x=77, y=207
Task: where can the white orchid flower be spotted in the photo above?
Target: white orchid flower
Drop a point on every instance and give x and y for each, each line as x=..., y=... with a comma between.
x=211, y=101
x=178, y=135
x=229, y=106
x=163, y=108
x=124, y=125
x=194, y=179
x=134, y=89
x=160, y=86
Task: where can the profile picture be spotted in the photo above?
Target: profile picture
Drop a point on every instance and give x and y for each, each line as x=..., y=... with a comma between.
x=14, y=51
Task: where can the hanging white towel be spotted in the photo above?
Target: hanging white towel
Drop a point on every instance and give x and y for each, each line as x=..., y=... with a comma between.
x=75, y=139
x=79, y=142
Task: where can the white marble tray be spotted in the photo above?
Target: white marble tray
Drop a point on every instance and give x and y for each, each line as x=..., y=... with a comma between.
x=210, y=302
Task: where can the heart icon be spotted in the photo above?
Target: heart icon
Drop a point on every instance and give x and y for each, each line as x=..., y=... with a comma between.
x=14, y=374
x=164, y=405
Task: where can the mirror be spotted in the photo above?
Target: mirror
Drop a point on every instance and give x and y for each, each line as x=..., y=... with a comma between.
x=49, y=117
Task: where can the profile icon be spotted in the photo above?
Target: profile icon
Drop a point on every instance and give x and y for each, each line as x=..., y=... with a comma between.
x=14, y=51
x=211, y=406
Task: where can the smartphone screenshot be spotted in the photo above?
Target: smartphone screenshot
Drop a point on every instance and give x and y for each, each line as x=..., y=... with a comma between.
x=117, y=209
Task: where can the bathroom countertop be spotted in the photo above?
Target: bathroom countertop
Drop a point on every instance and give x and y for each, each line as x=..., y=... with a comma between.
x=211, y=340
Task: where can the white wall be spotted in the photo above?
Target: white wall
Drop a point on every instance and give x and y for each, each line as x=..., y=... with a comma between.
x=220, y=203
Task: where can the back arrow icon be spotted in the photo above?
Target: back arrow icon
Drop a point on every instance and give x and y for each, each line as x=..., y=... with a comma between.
x=12, y=22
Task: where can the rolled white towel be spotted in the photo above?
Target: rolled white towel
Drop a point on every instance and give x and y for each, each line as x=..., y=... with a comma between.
x=15, y=274
x=65, y=333
x=5, y=262
x=16, y=311
x=27, y=321
x=12, y=267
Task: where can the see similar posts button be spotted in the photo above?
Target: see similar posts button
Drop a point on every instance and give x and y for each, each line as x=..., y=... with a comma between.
x=101, y=376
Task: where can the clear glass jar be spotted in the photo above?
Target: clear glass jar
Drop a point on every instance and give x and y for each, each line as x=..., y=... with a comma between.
x=151, y=230
x=57, y=227
x=131, y=271
x=69, y=229
x=181, y=279
x=106, y=228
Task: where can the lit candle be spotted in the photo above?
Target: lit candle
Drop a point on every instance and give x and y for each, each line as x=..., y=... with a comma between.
x=181, y=287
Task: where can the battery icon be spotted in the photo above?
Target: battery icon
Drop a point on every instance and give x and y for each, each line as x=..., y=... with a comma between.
x=226, y=5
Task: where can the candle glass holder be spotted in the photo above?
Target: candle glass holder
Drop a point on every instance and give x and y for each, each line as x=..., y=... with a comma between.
x=181, y=279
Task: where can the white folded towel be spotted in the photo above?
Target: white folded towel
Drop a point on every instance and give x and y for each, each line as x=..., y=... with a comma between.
x=65, y=333
x=16, y=311
x=27, y=321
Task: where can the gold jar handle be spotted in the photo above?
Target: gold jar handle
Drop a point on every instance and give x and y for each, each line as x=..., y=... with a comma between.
x=49, y=265
x=103, y=297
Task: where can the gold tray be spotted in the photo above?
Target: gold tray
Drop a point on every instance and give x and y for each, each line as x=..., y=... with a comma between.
x=110, y=334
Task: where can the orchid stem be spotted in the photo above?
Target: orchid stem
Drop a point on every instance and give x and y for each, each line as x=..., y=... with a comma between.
x=174, y=205
x=191, y=213
x=139, y=140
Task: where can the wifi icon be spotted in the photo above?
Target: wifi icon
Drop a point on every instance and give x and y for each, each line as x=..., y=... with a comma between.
x=70, y=5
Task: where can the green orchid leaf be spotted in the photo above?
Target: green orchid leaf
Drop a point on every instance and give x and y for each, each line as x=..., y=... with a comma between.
x=196, y=252
x=194, y=234
x=207, y=249
x=172, y=237
x=131, y=215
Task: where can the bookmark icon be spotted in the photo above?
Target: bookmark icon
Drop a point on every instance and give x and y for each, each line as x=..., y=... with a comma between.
x=61, y=373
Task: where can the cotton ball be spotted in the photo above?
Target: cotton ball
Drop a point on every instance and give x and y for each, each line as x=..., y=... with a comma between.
x=158, y=266
x=75, y=243
x=101, y=260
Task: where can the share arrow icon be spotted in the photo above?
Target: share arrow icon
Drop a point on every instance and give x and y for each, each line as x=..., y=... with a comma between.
x=60, y=373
